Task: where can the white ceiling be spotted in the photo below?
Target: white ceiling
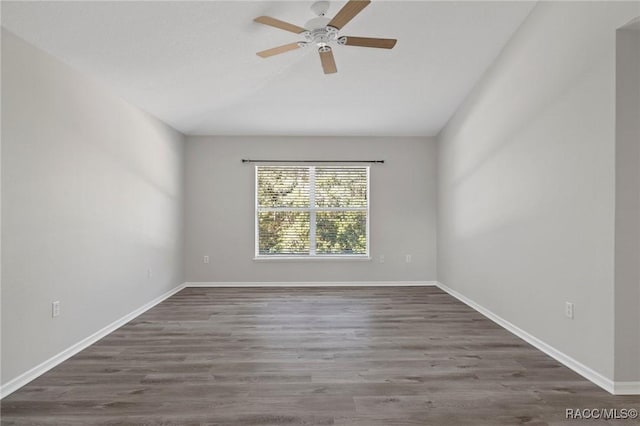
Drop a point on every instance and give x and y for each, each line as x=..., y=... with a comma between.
x=193, y=64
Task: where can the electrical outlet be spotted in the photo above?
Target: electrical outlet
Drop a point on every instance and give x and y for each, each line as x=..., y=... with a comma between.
x=381, y=258
x=407, y=258
x=205, y=259
x=149, y=275
x=55, y=308
x=568, y=310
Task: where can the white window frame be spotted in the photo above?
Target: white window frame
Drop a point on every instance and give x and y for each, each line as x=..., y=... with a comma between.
x=312, y=209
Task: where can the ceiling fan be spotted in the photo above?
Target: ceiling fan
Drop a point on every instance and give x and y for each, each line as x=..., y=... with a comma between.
x=323, y=32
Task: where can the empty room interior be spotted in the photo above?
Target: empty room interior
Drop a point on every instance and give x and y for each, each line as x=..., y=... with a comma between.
x=355, y=213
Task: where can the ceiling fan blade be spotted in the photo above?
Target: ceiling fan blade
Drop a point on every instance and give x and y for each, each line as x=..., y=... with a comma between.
x=267, y=20
x=348, y=12
x=382, y=43
x=280, y=49
x=328, y=62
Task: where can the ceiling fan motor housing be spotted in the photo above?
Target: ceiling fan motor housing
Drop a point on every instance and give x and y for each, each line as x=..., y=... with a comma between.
x=321, y=36
x=317, y=30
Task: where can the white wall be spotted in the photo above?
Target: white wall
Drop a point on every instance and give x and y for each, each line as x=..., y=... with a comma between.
x=91, y=198
x=220, y=209
x=526, y=202
x=627, y=237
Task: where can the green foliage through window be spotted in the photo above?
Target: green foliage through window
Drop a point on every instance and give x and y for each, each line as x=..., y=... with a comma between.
x=312, y=211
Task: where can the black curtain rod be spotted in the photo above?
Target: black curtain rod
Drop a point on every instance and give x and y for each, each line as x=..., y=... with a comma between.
x=313, y=161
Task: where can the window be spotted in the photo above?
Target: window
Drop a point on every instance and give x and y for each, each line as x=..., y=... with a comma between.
x=317, y=211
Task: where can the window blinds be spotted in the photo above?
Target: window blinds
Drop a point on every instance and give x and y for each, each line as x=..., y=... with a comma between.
x=312, y=211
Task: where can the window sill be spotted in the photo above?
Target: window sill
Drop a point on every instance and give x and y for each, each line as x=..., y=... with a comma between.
x=312, y=258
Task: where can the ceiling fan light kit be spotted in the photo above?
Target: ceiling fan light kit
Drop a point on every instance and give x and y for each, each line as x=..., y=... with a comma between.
x=323, y=32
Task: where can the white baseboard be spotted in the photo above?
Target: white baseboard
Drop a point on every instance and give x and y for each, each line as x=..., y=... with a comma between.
x=15, y=384
x=314, y=284
x=616, y=388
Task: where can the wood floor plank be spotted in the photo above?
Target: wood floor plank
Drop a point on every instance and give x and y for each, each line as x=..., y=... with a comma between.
x=375, y=356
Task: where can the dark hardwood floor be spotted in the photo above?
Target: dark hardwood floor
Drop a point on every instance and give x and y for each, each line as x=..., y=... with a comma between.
x=376, y=356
